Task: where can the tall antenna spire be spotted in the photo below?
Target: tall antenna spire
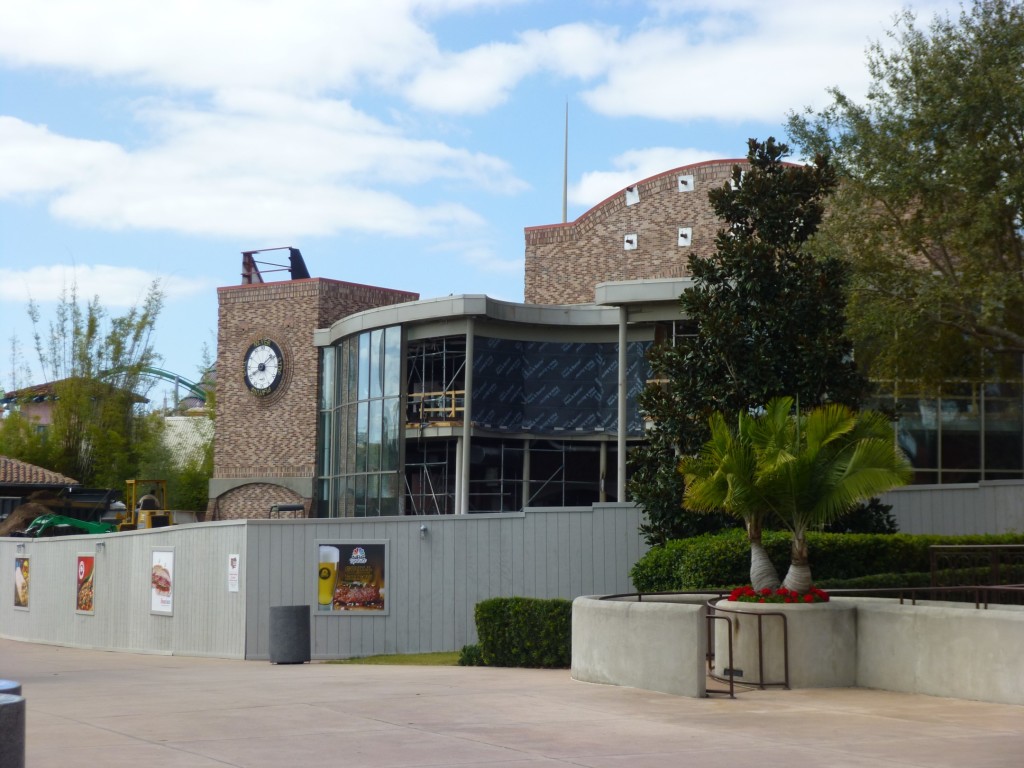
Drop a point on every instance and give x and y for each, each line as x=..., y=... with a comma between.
x=565, y=168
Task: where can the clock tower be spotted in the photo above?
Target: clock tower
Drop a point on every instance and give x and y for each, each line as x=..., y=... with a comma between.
x=267, y=392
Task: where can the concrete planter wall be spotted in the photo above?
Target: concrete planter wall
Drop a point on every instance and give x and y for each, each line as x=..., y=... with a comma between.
x=654, y=645
x=938, y=649
x=822, y=640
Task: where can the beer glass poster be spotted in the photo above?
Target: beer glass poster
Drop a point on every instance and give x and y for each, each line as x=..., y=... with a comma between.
x=83, y=588
x=352, y=577
x=21, y=582
x=161, y=580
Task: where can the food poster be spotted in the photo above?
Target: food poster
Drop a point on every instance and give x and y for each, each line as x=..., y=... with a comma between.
x=351, y=577
x=21, y=570
x=161, y=581
x=84, y=587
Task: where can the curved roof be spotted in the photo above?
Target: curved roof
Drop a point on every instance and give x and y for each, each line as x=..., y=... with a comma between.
x=682, y=169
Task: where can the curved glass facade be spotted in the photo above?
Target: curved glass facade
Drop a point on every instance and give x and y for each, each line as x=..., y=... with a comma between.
x=360, y=425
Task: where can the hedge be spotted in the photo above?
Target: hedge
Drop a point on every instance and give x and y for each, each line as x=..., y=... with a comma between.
x=524, y=632
x=722, y=560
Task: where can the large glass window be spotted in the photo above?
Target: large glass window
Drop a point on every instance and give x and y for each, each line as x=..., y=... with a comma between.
x=962, y=434
x=360, y=448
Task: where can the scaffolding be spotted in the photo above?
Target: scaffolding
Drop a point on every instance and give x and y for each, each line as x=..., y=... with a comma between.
x=435, y=381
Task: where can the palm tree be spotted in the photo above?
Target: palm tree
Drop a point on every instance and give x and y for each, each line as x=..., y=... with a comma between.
x=723, y=477
x=803, y=471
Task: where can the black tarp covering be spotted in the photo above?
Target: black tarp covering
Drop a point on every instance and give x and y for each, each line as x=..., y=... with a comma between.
x=548, y=387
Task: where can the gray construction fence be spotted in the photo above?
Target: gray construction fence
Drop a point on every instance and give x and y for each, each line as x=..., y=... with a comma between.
x=403, y=584
x=406, y=584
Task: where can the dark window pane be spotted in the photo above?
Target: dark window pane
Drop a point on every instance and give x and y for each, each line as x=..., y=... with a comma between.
x=362, y=436
x=376, y=363
x=327, y=373
x=325, y=442
x=374, y=436
x=1004, y=431
x=364, y=366
x=391, y=429
x=961, y=436
x=393, y=361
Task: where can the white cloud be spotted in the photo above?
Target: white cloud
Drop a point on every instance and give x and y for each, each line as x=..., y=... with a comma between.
x=481, y=78
x=306, y=46
x=631, y=167
x=745, y=59
x=33, y=159
x=472, y=82
x=116, y=287
x=262, y=165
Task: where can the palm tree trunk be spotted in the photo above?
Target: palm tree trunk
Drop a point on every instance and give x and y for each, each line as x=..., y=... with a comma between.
x=762, y=572
x=798, y=577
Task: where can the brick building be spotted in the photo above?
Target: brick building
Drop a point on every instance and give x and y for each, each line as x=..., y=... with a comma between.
x=265, y=439
x=646, y=231
x=357, y=401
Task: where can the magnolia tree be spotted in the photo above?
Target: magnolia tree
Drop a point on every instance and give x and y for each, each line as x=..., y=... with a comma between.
x=768, y=320
x=800, y=470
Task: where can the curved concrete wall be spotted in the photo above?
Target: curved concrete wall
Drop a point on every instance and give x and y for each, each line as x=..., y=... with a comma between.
x=938, y=649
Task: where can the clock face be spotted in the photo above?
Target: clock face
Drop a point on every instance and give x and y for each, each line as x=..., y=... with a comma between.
x=264, y=367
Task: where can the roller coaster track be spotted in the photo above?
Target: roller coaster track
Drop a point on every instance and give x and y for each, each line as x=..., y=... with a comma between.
x=194, y=389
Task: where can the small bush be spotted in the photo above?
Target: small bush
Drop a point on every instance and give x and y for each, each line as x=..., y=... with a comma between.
x=471, y=656
x=525, y=632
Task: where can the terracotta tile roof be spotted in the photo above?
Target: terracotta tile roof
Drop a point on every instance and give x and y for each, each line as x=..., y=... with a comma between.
x=14, y=472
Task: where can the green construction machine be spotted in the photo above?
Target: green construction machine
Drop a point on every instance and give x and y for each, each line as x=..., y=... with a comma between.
x=75, y=510
x=61, y=525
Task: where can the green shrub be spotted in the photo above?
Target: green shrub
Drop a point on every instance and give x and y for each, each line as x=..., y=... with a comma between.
x=658, y=570
x=525, y=632
x=723, y=560
x=471, y=656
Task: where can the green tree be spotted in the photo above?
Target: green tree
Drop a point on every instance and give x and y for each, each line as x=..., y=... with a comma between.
x=767, y=320
x=802, y=470
x=930, y=209
x=96, y=365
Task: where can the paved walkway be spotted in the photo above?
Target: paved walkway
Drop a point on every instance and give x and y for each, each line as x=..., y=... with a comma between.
x=93, y=708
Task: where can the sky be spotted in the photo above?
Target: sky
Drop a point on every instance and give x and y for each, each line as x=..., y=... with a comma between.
x=396, y=143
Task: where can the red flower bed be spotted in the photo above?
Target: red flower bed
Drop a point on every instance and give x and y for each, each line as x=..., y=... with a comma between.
x=781, y=595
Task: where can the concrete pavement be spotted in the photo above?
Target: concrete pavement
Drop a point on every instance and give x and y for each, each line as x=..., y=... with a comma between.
x=96, y=708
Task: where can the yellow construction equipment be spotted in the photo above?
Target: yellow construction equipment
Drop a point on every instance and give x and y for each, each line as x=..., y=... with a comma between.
x=145, y=505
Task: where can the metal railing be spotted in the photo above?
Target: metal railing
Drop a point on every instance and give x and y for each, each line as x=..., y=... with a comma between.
x=987, y=566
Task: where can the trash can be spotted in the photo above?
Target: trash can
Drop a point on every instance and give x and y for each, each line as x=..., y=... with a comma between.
x=12, y=731
x=289, y=634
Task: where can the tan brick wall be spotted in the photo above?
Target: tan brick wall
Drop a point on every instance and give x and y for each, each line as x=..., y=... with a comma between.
x=275, y=436
x=253, y=501
x=564, y=262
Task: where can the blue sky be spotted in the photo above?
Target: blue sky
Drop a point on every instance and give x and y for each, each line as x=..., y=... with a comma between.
x=401, y=143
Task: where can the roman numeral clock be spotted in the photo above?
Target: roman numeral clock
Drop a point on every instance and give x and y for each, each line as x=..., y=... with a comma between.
x=264, y=367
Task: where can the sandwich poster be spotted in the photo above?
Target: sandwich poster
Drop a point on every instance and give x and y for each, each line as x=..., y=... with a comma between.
x=351, y=577
x=161, y=580
x=21, y=582
x=83, y=588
